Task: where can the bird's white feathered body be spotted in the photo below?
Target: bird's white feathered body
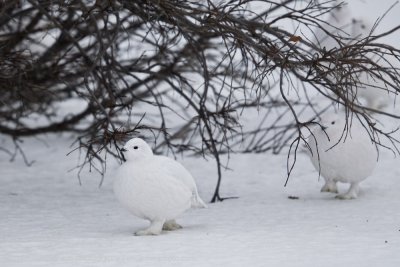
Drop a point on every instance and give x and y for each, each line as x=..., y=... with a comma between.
x=374, y=92
x=342, y=156
x=371, y=89
x=371, y=92
x=154, y=188
x=338, y=22
x=151, y=194
x=175, y=169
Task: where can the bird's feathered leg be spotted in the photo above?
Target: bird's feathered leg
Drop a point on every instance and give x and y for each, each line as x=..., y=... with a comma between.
x=155, y=228
x=330, y=186
x=352, y=193
x=171, y=225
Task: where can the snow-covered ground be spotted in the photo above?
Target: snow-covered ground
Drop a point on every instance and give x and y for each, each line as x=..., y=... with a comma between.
x=48, y=219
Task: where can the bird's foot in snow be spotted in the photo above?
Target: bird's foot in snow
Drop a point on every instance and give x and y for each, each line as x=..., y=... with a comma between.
x=346, y=196
x=171, y=226
x=330, y=187
x=351, y=194
x=147, y=232
x=154, y=229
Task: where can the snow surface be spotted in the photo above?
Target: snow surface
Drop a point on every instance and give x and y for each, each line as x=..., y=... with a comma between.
x=48, y=219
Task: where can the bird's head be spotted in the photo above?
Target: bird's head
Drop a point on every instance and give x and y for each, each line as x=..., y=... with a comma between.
x=360, y=28
x=331, y=121
x=136, y=149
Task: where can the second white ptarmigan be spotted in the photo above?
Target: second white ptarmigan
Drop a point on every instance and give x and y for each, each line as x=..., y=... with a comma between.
x=376, y=94
x=342, y=155
x=155, y=188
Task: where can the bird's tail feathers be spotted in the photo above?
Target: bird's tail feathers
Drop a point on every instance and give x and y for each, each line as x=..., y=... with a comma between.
x=197, y=202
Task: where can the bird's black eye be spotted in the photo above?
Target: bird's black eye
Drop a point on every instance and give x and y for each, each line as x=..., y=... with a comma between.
x=135, y=147
x=333, y=122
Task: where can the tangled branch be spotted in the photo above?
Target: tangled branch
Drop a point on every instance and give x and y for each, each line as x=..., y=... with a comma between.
x=181, y=72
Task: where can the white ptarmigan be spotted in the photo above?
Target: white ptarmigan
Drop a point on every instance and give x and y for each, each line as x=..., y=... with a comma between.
x=155, y=188
x=373, y=90
x=342, y=154
x=341, y=22
x=337, y=24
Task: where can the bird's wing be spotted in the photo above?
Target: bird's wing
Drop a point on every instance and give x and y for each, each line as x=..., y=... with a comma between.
x=177, y=170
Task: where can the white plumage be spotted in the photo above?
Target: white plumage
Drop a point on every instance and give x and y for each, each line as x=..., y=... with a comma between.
x=373, y=91
x=155, y=188
x=338, y=23
x=340, y=155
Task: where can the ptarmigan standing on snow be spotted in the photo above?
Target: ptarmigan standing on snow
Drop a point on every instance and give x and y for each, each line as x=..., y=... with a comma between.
x=374, y=91
x=155, y=188
x=341, y=155
x=342, y=22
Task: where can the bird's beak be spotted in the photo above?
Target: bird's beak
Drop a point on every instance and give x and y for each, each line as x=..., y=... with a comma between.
x=324, y=128
x=123, y=149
